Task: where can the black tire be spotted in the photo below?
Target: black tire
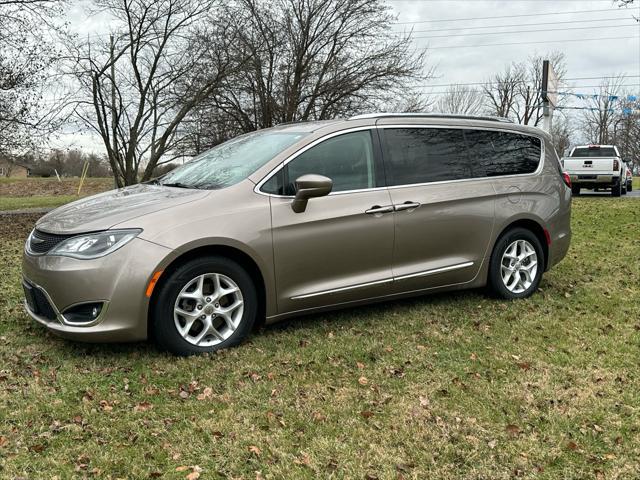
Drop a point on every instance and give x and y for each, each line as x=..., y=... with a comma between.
x=630, y=187
x=624, y=188
x=495, y=284
x=616, y=190
x=163, y=328
x=575, y=190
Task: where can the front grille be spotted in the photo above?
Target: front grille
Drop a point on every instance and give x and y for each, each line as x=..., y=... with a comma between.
x=42, y=242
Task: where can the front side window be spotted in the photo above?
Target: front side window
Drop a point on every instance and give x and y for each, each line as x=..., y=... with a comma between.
x=496, y=153
x=347, y=159
x=421, y=155
x=232, y=161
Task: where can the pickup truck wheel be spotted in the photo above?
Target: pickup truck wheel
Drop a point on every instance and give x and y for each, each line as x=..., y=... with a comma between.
x=616, y=190
x=516, y=265
x=575, y=190
x=630, y=187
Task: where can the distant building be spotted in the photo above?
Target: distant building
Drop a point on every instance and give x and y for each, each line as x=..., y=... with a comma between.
x=10, y=168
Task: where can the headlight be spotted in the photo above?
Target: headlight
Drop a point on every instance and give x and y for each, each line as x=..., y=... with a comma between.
x=94, y=245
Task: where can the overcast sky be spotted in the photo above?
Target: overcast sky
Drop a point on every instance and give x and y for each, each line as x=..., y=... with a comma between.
x=463, y=53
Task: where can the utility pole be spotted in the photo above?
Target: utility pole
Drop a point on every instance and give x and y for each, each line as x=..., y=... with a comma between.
x=114, y=119
x=549, y=95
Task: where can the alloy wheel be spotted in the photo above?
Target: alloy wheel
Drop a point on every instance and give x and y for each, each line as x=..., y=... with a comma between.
x=519, y=266
x=208, y=309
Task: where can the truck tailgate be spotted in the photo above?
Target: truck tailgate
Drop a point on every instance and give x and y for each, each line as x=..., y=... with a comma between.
x=589, y=166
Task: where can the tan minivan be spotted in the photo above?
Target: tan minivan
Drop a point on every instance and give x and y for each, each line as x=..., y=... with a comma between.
x=302, y=218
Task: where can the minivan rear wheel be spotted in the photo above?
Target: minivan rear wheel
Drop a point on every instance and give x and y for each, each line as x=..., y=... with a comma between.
x=204, y=305
x=516, y=265
x=575, y=190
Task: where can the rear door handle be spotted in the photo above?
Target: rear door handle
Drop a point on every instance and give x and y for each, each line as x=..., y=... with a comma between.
x=406, y=206
x=378, y=209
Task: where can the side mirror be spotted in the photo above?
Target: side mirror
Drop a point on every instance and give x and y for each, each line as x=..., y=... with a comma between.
x=310, y=186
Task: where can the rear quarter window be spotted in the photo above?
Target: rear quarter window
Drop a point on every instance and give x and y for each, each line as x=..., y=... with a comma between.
x=496, y=153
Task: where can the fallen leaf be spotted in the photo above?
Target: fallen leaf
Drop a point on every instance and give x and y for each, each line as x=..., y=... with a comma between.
x=360, y=365
x=573, y=446
x=142, y=407
x=193, y=475
x=473, y=357
x=366, y=414
x=424, y=401
x=182, y=468
x=206, y=394
x=363, y=381
x=255, y=450
x=524, y=365
x=512, y=430
x=492, y=444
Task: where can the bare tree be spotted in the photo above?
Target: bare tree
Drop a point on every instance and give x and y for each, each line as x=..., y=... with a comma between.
x=313, y=59
x=516, y=93
x=27, y=53
x=145, y=82
x=627, y=128
x=502, y=89
x=528, y=107
x=602, y=113
x=561, y=133
x=461, y=99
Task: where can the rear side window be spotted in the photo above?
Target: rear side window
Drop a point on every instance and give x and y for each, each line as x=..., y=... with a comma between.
x=420, y=155
x=495, y=153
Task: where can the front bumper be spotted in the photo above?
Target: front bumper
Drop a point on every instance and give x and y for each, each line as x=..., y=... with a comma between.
x=118, y=281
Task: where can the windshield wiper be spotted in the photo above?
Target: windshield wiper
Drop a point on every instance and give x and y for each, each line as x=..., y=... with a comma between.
x=177, y=185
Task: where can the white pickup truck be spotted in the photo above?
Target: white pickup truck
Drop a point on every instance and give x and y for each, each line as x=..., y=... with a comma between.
x=595, y=167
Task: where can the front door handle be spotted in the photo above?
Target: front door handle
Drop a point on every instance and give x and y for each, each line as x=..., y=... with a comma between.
x=406, y=206
x=378, y=209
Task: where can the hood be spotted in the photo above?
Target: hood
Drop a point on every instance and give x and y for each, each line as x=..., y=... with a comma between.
x=103, y=211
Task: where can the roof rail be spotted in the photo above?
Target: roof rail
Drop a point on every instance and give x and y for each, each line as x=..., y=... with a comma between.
x=431, y=115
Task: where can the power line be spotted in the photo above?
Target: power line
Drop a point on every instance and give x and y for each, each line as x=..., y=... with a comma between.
x=524, y=31
x=564, y=80
x=510, y=16
x=532, y=43
x=522, y=25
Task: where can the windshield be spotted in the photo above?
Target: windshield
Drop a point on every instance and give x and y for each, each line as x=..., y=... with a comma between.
x=232, y=161
x=594, y=152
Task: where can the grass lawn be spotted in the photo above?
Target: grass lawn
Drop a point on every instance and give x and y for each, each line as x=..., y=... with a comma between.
x=32, y=192
x=18, y=203
x=446, y=386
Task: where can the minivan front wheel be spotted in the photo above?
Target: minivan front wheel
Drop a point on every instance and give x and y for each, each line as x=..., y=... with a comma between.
x=516, y=266
x=204, y=305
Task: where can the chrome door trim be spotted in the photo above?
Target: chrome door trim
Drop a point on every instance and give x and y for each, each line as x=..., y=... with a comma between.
x=433, y=271
x=341, y=289
x=424, y=273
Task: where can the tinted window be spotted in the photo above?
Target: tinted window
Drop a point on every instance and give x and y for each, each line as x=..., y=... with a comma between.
x=502, y=153
x=346, y=159
x=594, y=152
x=419, y=155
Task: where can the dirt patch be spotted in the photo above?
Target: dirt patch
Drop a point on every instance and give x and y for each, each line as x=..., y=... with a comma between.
x=51, y=186
x=18, y=226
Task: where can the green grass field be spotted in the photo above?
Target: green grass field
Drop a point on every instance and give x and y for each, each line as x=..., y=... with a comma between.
x=45, y=201
x=34, y=192
x=448, y=386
